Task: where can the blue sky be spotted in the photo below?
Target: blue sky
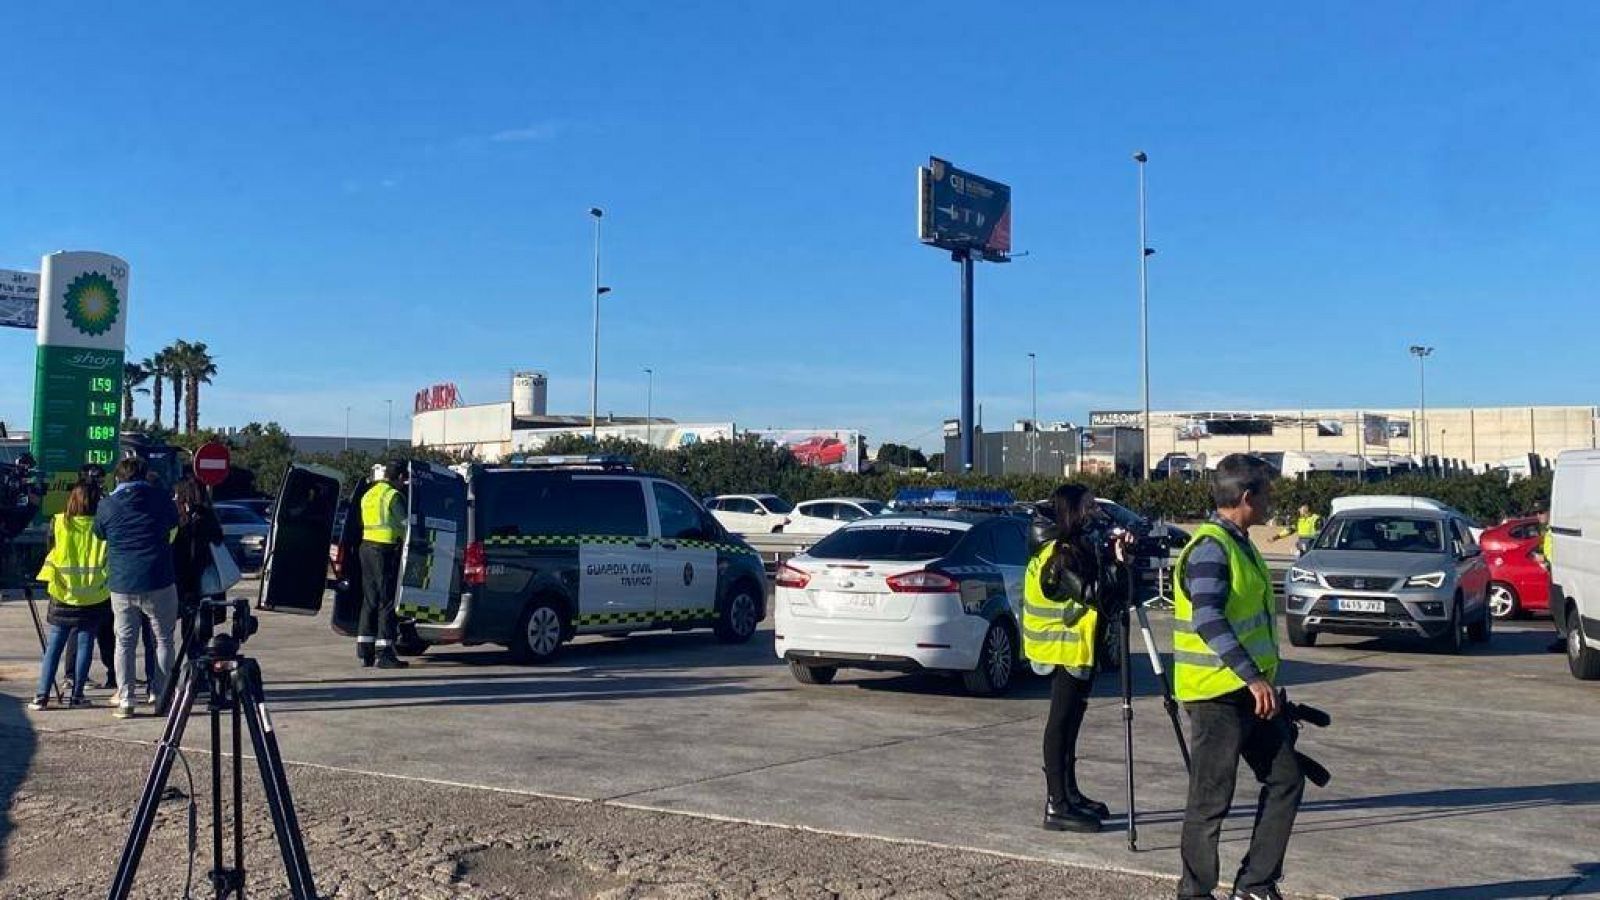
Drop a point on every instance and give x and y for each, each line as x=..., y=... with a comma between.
x=350, y=201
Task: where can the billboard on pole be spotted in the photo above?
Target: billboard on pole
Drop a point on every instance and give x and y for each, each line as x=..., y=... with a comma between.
x=19, y=299
x=960, y=211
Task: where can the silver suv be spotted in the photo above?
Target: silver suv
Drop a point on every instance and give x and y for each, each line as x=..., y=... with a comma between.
x=1409, y=571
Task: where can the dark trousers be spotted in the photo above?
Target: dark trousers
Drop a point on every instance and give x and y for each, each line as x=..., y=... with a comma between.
x=106, y=640
x=1222, y=731
x=380, y=575
x=1069, y=698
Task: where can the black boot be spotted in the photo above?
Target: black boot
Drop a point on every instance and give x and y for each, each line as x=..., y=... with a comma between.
x=1062, y=815
x=387, y=660
x=366, y=653
x=1092, y=807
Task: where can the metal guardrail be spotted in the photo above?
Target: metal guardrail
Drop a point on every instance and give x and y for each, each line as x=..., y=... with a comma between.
x=775, y=548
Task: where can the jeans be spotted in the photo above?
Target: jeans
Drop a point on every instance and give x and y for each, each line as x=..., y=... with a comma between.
x=160, y=607
x=54, y=645
x=106, y=639
x=1225, y=730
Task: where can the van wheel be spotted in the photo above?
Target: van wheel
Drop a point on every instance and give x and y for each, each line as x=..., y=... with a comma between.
x=812, y=674
x=1503, y=603
x=1450, y=641
x=1298, y=635
x=539, y=633
x=997, y=663
x=1583, y=660
x=740, y=616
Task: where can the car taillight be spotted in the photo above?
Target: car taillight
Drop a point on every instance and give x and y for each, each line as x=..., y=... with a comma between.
x=474, y=565
x=790, y=577
x=336, y=556
x=923, y=582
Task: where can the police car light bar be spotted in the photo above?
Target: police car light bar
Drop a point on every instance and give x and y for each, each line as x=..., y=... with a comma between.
x=591, y=461
x=953, y=498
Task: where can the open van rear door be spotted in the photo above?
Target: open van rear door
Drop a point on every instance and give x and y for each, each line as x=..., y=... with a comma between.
x=294, y=573
x=436, y=536
x=347, y=565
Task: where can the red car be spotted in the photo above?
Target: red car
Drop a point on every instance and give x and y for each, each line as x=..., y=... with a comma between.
x=820, y=451
x=1519, y=582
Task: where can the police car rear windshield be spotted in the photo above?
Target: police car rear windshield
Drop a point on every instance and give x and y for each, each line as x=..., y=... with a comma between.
x=894, y=543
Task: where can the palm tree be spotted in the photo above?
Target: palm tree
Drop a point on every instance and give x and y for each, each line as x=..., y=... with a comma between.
x=156, y=365
x=176, y=354
x=133, y=375
x=198, y=367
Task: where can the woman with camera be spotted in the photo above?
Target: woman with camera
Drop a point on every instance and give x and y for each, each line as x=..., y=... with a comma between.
x=1067, y=579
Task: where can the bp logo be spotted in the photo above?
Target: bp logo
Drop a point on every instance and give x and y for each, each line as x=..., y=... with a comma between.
x=92, y=303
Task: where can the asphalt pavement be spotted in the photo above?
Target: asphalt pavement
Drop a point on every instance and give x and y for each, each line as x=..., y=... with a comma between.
x=1473, y=776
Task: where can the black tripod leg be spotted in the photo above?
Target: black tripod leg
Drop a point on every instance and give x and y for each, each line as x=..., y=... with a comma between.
x=1169, y=702
x=247, y=684
x=1127, y=717
x=145, y=815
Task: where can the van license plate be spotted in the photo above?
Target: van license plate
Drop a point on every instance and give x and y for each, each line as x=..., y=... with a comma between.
x=841, y=602
x=1351, y=604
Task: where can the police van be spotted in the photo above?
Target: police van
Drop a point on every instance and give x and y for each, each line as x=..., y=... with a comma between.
x=531, y=553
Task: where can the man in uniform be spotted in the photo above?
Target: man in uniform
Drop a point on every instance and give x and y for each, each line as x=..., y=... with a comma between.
x=383, y=527
x=1225, y=661
x=1306, y=526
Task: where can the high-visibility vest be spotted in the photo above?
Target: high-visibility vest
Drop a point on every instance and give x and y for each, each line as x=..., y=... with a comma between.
x=1059, y=631
x=1547, y=546
x=74, y=571
x=1308, y=526
x=1198, y=673
x=381, y=520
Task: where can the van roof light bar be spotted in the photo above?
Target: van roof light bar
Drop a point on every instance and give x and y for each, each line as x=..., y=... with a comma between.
x=954, y=498
x=581, y=461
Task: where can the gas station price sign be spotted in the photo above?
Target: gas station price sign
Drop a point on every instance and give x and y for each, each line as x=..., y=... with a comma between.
x=81, y=405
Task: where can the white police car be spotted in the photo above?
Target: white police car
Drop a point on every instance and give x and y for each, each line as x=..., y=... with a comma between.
x=935, y=584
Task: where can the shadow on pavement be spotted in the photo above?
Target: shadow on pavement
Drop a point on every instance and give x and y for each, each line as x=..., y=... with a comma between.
x=18, y=744
x=1585, y=882
x=1505, y=642
x=586, y=687
x=1414, y=806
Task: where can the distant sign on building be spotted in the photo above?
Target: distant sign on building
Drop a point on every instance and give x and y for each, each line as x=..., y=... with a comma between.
x=438, y=396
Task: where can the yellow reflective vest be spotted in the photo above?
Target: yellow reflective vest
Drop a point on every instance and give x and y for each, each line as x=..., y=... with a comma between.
x=1197, y=673
x=383, y=518
x=74, y=571
x=1058, y=631
x=1308, y=526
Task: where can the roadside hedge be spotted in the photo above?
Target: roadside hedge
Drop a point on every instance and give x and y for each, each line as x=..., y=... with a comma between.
x=750, y=466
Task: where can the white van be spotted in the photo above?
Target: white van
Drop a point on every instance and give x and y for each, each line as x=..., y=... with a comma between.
x=1575, y=559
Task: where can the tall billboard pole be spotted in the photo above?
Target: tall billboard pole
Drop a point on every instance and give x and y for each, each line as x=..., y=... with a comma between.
x=969, y=216
x=77, y=399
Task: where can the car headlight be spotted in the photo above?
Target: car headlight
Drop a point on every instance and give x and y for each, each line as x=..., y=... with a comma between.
x=1302, y=576
x=1430, y=580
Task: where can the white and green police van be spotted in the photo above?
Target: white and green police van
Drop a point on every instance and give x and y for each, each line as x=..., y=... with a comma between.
x=531, y=553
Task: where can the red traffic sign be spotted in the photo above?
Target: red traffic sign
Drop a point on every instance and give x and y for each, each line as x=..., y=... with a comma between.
x=211, y=463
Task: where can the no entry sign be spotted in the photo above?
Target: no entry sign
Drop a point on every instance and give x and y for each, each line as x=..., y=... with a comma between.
x=211, y=463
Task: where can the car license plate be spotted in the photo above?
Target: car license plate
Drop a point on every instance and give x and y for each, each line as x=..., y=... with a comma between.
x=1352, y=604
x=843, y=602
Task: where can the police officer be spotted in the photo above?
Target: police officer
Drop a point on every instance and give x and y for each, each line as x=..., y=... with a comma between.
x=1306, y=526
x=1225, y=661
x=1065, y=582
x=383, y=526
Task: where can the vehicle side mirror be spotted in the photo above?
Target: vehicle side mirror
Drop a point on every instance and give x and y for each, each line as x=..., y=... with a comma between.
x=761, y=512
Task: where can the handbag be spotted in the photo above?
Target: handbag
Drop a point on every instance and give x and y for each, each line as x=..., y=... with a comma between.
x=221, y=574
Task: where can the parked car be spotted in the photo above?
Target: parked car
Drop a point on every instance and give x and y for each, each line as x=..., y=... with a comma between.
x=750, y=513
x=1519, y=582
x=820, y=451
x=261, y=506
x=936, y=588
x=244, y=533
x=1575, y=559
x=1407, y=570
x=829, y=514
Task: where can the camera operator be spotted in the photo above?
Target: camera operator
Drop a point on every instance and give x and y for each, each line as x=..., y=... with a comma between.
x=23, y=494
x=1065, y=583
x=1225, y=661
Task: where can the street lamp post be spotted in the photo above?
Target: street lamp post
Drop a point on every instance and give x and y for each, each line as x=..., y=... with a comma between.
x=388, y=428
x=1033, y=382
x=1422, y=353
x=1140, y=158
x=347, y=428
x=594, y=382
x=649, y=404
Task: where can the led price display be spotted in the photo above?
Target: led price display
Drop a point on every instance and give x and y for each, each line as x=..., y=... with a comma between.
x=80, y=417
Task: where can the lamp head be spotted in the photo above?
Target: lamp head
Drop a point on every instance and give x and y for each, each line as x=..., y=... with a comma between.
x=596, y=211
x=1139, y=157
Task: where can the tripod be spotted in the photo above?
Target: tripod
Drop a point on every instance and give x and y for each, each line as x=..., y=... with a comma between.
x=233, y=684
x=1131, y=607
